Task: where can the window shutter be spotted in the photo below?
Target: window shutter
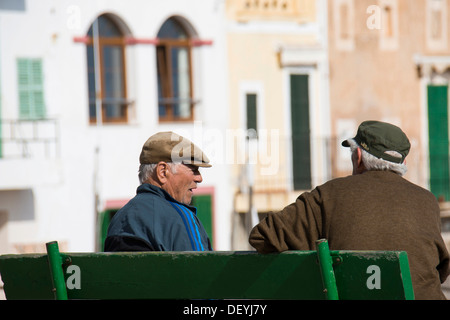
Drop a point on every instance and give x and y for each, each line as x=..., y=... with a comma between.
x=252, y=122
x=438, y=141
x=31, y=89
x=301, y=149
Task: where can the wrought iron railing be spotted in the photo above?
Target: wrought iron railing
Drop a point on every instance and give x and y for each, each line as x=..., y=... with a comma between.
x=29, y=138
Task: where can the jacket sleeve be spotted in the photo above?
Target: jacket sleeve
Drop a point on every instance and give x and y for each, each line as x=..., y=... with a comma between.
x=296, y=227
x=126, y=243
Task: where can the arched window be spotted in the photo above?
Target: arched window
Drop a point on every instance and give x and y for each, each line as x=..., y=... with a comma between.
x=106, y=72
x=174, y=72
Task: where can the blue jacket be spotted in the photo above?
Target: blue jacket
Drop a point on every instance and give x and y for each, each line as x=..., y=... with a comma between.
x=154, y=221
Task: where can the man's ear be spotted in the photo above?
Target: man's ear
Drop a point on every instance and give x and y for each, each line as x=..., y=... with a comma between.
x=361, y=168
x=359, y=156
x=357, y=162
x=161, y=171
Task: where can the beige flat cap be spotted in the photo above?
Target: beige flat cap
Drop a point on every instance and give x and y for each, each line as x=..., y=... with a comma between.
x=171, y=147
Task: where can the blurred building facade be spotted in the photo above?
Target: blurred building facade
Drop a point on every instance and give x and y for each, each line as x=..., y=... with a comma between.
x=83, y=86
x=386, y=64
x=278, y=92
x=389, y=60
x=268, y=89
x=315, y=74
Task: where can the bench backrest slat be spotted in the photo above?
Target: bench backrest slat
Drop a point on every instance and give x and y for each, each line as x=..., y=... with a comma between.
x=208, y=275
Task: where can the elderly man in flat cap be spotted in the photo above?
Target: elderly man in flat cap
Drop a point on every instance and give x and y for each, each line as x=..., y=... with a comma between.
x=159, y=217
x=373, y=209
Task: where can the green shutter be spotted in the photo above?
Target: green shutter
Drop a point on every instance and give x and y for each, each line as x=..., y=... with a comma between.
x=301, y=151
x=31, y=89
x=438, y=141
x=203, y=203
x=252, y=122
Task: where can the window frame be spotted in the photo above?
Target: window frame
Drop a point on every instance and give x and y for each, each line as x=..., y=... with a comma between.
x=437, y=42
x=344, y=38
x=389, y=36
x=165, y=78
x=102, y=42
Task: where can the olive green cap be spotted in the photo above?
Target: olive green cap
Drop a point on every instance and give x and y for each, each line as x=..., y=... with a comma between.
x=377, y=138
x=171, y=147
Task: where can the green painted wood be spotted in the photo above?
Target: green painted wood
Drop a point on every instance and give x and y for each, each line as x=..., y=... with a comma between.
x=104, y=219
x=352, y=274
x=438, y=141
x=207, y=275
x=203, y=203
x=252, y=111
x=30, y=85
x=406, y=276
x=326, y=269
x=26, y=276
x=155, y=275
x=56, y=271
x=218, y=275
x=301, y=145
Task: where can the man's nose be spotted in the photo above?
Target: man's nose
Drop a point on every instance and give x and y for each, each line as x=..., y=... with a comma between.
x=198, y=178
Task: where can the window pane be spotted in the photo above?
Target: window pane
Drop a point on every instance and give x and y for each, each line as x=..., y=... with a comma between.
x=113, y=72
x=172, y=29
x=91, y=80
x=111, y=64
x=113, y=78
x=181, y=82
x=174, y=74
x=106, y=28
x=162, y=109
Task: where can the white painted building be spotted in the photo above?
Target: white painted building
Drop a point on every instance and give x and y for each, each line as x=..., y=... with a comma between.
x=60, y=164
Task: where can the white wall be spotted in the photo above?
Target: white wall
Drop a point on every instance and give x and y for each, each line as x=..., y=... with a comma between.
x=63, y=186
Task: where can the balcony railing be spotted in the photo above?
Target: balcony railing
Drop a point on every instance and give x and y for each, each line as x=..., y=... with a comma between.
x=273, y=167
x=37, y=138
x=284, y=10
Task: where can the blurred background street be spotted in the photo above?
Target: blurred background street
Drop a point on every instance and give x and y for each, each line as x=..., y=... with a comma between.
x=267, y=88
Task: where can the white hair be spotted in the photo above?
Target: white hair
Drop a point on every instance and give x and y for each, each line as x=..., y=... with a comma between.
x=373, y=163
x=146, y=170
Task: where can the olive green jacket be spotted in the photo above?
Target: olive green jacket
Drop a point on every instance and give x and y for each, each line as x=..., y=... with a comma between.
x=376, y=210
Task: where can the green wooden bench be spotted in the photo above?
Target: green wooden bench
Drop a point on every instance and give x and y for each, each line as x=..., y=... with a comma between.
x=320, y=274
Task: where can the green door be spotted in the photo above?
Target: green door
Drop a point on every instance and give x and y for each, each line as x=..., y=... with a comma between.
x=301, y=150
x=438, y=141
x=104, y=218
x=203, y=203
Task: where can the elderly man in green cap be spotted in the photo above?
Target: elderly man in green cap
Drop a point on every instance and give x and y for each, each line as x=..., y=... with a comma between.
x=373, y=209
x=159, y=217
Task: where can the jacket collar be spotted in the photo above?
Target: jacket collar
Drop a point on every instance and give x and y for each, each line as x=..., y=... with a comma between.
x=149, y=188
